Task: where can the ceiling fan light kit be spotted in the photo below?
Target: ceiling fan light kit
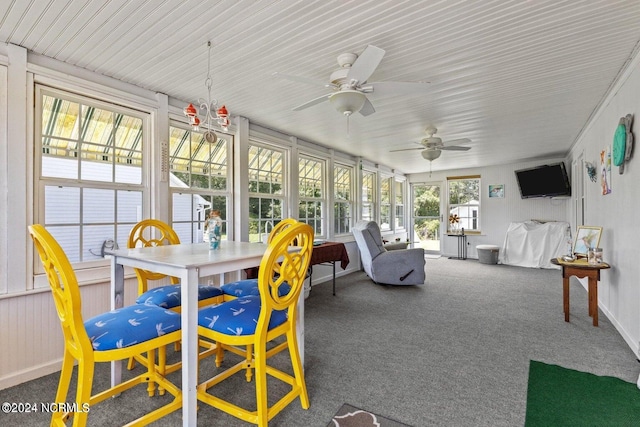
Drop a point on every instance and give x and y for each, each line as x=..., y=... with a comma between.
x=347, y=102
x=350, y=86
x=433, y=146
x=431, y=155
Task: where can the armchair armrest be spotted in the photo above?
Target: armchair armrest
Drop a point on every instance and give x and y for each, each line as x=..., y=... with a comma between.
x=399, y=267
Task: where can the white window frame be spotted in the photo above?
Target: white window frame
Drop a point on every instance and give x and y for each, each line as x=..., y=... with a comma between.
x=176, y=188
x=399, y=201
x=340, y=201
x=265, y=225
x=468, y=212
x=371, y=204
x=318, y=223
x=386, y=202
x=41, y=182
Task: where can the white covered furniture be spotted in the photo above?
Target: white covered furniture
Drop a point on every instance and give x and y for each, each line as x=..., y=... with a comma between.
x=533, y=243
x=397, y=267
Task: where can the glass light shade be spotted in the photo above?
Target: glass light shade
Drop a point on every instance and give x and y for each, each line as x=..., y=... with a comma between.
x=347, y=102
x=431, y=154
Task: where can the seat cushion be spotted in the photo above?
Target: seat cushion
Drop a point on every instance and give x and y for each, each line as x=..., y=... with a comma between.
x=130, y=325
x=170, y=296
x=244, y=288
x=238, y=316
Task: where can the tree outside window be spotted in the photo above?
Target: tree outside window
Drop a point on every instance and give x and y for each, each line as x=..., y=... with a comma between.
x=385, y=203
x=368, y=195
x=266, y=190
x=343, y=205
x=199, y=181
x=311, y=194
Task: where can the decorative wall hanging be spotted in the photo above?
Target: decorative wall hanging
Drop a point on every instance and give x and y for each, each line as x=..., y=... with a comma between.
x=209, y=107
x=496, y=191
x=623, y=142
x=605, y=170
x=591, y=171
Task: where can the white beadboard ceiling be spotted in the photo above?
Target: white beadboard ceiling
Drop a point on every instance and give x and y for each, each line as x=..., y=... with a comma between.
x=519, y=78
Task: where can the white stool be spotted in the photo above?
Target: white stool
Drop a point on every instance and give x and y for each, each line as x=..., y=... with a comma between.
x=488, y=254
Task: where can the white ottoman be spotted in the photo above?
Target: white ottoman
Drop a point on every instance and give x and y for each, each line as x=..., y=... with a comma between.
x=488, y=254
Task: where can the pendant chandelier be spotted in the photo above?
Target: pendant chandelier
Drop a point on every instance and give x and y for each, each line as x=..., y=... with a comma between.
x=209, y=107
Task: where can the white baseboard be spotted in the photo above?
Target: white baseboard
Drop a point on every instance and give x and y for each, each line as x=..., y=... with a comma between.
x=16, y=378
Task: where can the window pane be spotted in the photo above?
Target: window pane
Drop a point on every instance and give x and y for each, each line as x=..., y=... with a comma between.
x=385, y=190
x=98, y=206
x=342, y=194
x=85, y=140
x=368, y=194
x=342, y=218
x=264, y=213
x=464, y=204
x=129, y=206
x=399, y=192
x=59, y=138
x=68, y=238
x=265, y=171
x=62, y=205
x=196, y=163
x=199, y=181
x=93, y=236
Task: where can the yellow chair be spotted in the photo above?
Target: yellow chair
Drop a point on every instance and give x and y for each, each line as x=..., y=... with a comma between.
x=256, y=320
x=243, y=288
x=112, y=336
x=153, y=232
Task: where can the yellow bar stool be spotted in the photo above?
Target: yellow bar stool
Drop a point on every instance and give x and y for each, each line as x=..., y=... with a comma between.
x=115, y=335
x=253, y=321
x=154, y=232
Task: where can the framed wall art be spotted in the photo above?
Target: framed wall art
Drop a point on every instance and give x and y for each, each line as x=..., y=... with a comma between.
x=496, y=190
x=586, y=237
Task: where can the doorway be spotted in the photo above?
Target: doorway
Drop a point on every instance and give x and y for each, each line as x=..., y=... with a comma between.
x=426, y=217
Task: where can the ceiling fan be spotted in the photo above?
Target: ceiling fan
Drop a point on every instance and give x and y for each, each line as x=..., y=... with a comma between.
x=432, y=146
x=349, y=84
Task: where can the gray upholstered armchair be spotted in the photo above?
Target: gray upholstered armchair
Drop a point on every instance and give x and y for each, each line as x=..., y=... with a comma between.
x=398, y=267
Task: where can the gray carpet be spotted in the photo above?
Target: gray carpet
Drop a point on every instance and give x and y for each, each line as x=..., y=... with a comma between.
x=454, y=352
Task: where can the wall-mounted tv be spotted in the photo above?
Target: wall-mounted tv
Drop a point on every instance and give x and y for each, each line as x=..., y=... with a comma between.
x=544, y=181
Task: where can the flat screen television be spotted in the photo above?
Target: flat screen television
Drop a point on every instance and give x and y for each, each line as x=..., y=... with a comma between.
x=544, y=181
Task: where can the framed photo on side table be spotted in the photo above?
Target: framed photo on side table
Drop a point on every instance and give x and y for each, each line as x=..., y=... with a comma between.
x=586, y=237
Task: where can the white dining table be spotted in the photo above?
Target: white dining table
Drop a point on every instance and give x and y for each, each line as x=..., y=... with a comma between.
x=188, y=262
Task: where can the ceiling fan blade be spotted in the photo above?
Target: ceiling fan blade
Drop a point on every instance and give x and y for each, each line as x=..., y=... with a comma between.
x=313, y=102
x=367, y=108
x=395, y=88
x=459, y=141
x=366, y=64
x=299, y=79
x=406, y=149
x=454, y=148
x=419, y=147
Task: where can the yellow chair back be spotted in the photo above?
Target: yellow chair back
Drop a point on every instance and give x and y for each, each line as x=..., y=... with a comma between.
x=151, y=232
x=291, y=267
x=65, y=291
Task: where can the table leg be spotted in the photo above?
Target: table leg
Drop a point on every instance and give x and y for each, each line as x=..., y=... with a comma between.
x=117, y=301
x=334, y=277
x=593, y=300
x=189, y=313
x=565, y=296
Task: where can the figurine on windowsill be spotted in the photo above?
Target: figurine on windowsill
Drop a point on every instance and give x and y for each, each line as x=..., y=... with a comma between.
x=213, y=227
